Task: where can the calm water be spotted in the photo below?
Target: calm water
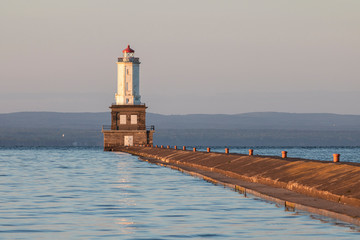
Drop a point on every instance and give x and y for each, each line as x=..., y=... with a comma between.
x=85, y=193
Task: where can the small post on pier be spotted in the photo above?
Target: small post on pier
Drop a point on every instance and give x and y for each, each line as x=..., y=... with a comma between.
x=167, y=146
x=162, y=146
x=194, y=149
x=156, y=146
x=175, y=147
x=284, y=154
x=208, y=149
x=184, y=148
x=336, y=157
x=251, y=152
x=226, y=150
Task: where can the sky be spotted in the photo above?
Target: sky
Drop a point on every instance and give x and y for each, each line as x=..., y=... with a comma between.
x=197, y=56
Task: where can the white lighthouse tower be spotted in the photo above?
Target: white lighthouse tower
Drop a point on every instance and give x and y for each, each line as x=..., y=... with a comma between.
x=128, y=79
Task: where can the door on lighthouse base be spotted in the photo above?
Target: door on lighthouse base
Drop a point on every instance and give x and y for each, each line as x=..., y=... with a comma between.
x=128, y=141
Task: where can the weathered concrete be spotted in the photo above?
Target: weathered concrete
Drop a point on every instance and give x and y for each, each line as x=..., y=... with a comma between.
x=327, y=188
x=127, y=111
x=115, y=137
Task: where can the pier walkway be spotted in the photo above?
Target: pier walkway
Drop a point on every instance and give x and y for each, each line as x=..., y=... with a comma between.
x=326, y=188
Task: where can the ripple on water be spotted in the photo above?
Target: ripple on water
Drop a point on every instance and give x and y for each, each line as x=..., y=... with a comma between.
x=85, y=193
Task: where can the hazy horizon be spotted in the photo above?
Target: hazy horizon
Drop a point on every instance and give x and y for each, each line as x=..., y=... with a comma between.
x=183, y=114
x=211, y=57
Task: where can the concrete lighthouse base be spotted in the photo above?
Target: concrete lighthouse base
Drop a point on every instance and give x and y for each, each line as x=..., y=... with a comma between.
x=127, y=128
x=115, y=139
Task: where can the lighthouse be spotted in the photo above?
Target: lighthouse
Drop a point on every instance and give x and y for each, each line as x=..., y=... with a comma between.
x=128, y=79
x=128, y=114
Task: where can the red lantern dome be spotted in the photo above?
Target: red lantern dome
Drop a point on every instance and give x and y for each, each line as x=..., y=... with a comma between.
x=128, y=50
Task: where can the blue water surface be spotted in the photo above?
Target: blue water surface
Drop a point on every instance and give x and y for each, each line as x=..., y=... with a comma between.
x=85, y=193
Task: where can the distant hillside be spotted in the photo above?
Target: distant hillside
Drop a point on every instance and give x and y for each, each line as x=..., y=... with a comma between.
x=54, y=120
x=261, y=120
x=249, y=129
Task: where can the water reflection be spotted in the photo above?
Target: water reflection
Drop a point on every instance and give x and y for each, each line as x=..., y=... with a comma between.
x=116, y=196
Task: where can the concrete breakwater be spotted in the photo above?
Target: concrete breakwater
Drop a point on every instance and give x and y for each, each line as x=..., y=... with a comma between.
x=327, y=188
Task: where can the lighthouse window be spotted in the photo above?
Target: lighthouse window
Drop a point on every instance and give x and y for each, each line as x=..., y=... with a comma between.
x=133, y=119
x=122, y=119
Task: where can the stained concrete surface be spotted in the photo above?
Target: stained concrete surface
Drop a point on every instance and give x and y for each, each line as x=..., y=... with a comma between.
x=327, y=188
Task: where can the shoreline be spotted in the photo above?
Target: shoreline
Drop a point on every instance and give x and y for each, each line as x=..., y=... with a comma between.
x=293, y=195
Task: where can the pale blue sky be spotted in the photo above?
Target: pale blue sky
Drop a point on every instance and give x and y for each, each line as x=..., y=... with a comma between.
x=197, y=56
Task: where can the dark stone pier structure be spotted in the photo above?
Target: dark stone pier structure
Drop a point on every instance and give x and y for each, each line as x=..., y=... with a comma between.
x=129, y=133
x=327, y=188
